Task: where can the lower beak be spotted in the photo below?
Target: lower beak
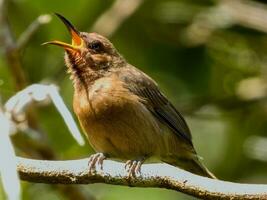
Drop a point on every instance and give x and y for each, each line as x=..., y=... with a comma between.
x=66, y=46
x=77, y=41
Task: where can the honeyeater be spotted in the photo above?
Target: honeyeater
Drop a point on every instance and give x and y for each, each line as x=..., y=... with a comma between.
x=122, y=111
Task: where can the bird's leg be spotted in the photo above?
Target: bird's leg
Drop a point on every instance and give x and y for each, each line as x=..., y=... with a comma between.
x=94, y=159
x=133, y=167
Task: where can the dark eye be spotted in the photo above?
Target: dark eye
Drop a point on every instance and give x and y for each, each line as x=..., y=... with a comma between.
x=95, y=45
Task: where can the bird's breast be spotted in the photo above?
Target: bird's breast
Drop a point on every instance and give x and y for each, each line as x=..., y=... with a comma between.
x=115, y=120
x=105, y=98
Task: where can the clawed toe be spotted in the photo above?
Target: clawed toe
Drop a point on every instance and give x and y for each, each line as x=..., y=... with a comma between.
x=133, y=167
x=96, y=159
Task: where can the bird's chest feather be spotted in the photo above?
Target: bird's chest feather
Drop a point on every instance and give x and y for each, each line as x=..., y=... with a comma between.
x=106, y=98
x=114, y=119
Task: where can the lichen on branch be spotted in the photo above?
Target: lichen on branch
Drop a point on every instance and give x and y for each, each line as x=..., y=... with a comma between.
x=152, y=175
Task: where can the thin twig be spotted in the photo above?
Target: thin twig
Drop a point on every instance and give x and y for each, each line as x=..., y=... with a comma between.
x=17, y=105
x=152, y=175
x=225, y=14
x=31, y=30
x=109, y=22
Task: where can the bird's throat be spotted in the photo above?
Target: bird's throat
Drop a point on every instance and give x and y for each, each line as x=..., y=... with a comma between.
x=81, y=75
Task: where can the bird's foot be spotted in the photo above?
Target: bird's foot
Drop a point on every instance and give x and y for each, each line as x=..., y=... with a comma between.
x=133, y=167
x=96, y=159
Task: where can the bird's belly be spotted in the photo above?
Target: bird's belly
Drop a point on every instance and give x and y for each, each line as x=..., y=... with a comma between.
x=125, y=131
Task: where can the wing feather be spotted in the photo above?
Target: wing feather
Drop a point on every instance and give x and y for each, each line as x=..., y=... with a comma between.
x=144, y=87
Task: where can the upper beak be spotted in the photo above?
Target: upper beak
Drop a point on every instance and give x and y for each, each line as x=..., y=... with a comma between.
x=77, y=41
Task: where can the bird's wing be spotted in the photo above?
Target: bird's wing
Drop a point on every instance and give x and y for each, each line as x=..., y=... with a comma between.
x=143, y=86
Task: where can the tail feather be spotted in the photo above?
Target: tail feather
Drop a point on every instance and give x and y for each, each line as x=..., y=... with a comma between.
x=204, y=170
x=192, y=165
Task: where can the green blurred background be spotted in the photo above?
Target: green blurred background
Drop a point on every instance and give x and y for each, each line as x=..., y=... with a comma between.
x=208, y=56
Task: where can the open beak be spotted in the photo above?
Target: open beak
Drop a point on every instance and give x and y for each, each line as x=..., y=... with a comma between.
x=77, y=41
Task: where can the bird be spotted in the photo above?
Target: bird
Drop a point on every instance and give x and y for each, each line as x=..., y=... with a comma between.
x=122, y=111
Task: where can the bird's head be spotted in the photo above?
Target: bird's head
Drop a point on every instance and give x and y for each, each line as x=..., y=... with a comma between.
x=89, y=52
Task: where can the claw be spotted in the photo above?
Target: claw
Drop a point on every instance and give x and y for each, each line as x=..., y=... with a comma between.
x=96, y=159
x=133, y=167
x=101, y=160
x=138, y=167
x=128, y=163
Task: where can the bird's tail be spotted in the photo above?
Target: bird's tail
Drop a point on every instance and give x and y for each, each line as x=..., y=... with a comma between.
x=192, y=164
x=203, y=170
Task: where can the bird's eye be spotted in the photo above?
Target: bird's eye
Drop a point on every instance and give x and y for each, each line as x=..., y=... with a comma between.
x=95, y=45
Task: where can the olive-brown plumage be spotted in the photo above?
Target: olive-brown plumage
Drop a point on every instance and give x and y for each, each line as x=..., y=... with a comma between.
x=122, y=111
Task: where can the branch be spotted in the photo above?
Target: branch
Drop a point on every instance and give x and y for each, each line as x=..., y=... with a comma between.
x=13, y=116
x=153, y=175
x=9, y=175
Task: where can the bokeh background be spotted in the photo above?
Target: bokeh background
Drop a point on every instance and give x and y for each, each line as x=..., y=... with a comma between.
x=208, y=56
